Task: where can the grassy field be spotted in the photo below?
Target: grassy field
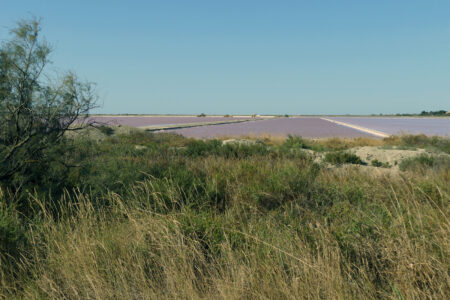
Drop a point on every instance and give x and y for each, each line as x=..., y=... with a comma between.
x=159, y=216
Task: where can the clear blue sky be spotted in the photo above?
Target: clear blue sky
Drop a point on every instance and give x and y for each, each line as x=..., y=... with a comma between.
x=268, y=57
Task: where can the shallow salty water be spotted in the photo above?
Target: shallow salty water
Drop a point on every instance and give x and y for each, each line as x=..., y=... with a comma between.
x=399, y=125
x=310, y=127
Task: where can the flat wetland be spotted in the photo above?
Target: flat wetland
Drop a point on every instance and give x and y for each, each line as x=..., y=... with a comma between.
x=301, y=126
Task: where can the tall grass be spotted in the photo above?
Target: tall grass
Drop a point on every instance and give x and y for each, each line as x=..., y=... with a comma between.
x=197, y=220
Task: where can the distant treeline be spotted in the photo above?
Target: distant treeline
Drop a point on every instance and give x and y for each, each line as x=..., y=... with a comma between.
x=423, y=113
x=427, y=113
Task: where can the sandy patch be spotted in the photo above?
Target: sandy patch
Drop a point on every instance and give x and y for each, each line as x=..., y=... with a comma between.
x=391, y=156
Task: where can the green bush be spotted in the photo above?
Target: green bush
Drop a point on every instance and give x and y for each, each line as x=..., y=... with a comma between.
x=425, y=162
x=377, y=163
x=106, y=130
x=199, y=148
x=297, y=142
x=421, y=141
x=341, y=157
x=35, y=111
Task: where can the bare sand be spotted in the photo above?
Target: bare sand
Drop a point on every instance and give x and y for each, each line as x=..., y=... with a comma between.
x=392, y=156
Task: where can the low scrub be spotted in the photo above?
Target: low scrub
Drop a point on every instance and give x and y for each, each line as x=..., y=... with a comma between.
x=106, y=130
x=425, y=162
x=435, y=143
x=342, y=157
x=379, y=164
x=182, y=218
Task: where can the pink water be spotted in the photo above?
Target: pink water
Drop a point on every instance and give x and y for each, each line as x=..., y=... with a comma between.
x=309, y=127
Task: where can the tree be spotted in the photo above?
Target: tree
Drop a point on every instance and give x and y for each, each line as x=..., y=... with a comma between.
x=36, y=109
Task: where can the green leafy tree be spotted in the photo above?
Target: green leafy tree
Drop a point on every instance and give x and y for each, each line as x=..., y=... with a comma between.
x=36, y=109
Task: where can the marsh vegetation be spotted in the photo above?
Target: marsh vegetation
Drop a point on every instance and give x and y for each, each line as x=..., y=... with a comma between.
x=143, y=215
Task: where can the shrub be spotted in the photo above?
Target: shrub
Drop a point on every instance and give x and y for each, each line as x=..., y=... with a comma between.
x=297, y=142
x=420, y=141
x=424, y=162
x=203, y=148
x=106, y=130
x=377, y=163
x=341, y=157
x=34, y=111
x=198, y=148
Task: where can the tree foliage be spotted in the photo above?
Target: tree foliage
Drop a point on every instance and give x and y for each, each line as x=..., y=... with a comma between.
x=36, y=109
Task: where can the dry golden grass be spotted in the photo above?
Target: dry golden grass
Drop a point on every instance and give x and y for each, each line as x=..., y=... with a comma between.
x=132, y=252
